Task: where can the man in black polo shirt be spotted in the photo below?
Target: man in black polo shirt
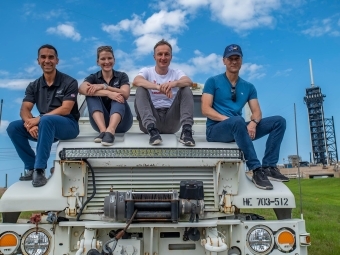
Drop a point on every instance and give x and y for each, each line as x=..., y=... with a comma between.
x=55, y=96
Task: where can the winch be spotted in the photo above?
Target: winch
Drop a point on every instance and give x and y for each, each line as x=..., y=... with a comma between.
x=156, y=206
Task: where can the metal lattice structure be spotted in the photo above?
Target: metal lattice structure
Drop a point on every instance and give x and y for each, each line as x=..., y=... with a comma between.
x=322, y=132
x=331, y=141
x=314, y=101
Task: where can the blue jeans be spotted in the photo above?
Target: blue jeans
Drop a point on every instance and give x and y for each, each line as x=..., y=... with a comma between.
x=96, y=104
x=234, y=129
x=51, y=128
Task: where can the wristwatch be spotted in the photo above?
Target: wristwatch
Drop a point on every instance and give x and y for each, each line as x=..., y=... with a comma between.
x=256, y=121
x=105, y=85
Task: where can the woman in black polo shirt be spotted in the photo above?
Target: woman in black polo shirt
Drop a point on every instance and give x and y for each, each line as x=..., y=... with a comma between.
x=106, y=94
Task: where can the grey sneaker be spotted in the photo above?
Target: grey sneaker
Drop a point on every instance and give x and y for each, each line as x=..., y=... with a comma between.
x=273, y=174
x=260, y=179
x=108, y=139
x=155, y=137
x=99, y=138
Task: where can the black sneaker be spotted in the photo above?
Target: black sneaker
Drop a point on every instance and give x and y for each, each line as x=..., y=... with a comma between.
x=39, y=178
x=108, y=139
x=273, y=173
x=186, y=136
x=99, y=138
x=260, y=179
x=28, y=175
x=155, y=137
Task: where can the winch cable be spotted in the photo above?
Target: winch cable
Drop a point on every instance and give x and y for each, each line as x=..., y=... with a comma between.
x=118, y=236
x=93, y=193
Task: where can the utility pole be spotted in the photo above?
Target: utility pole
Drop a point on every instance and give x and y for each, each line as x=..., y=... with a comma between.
x=1, y=110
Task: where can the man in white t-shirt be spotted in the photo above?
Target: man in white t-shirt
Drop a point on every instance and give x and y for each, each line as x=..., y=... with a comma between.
x=164, y=101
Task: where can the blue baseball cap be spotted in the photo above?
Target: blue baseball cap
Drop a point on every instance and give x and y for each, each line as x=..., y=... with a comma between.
x=232, y=49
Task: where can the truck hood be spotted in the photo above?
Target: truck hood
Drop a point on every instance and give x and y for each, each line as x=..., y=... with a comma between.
x=22, y=196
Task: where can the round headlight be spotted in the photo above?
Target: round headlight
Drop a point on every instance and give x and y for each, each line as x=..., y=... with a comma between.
x=36, y=243
x=260, y=240
x=285, y=240
x=9, y=242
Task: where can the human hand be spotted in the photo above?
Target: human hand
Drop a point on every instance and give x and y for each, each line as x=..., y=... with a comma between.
x=92, y=88
x=34, y=132
x=117, y=97
x=28, y=124
x=165, y=88
x=251, y=127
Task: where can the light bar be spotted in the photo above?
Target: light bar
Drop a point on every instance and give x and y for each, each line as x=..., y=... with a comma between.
x=85, y=153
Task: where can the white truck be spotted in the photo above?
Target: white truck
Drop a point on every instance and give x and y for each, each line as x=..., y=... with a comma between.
x=137, y=199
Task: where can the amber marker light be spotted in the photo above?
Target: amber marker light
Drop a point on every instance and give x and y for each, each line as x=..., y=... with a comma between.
x=9, y=242
x=305, y=239
x=285, y=240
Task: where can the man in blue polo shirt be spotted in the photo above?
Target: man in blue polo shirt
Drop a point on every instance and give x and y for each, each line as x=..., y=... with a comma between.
x=55, y=96
x=223, y=98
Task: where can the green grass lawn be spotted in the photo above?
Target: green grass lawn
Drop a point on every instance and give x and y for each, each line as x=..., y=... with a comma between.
x=321, y=211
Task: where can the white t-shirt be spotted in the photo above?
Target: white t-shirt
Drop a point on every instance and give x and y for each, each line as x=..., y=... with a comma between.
x=159, y=99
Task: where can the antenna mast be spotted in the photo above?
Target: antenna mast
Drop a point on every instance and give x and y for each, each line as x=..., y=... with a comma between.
x=311, y=73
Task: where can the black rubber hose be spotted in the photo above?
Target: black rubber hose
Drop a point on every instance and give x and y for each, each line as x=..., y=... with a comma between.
x=93, y=193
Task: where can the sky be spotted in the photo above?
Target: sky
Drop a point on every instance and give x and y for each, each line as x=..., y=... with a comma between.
x=278, y=37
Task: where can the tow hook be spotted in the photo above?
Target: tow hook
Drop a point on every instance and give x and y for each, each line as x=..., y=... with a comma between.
x=35, y=219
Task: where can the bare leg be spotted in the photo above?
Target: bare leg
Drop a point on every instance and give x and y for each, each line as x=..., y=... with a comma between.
x=98, y=117
x=114, y=121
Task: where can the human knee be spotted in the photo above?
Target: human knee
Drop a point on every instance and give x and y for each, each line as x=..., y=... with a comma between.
x=13, y=127
x=185, y=92
x=117, y=108
x=237, y=121
x=280, y=121
x=46, y=120
x=141, y=91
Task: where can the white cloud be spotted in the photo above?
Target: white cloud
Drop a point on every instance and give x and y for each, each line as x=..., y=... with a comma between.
x=92, y=68
x=126, y=64
x=328, y=26
x=32, y=69
x=3, y=72
x=3, y=126
x=207, y=64
x=245, y=14
x=18, y=100
x=193, y=3
x=162, y=24
x=252, y=71
x=66, y=30
x=51, y=14
x=14, y=84
x=284, y=72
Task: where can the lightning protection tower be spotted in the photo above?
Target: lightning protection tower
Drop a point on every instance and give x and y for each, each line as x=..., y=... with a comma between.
x=322, y=134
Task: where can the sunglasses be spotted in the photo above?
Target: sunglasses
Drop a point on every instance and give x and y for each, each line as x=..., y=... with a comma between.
x=233, y=94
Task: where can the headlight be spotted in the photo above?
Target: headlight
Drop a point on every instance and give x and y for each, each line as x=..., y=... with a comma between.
x=9, y=243
x=285, y=240
x=260, y=240
x=36, y=243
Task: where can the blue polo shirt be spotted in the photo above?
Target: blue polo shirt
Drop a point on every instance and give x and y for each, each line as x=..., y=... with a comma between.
x=220, y=88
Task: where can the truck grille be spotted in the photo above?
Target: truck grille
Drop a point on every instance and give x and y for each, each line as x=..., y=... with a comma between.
x=147, y=179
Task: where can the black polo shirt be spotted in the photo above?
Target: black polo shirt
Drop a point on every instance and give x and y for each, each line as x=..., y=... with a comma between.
x=48, y=98
x=118, y=79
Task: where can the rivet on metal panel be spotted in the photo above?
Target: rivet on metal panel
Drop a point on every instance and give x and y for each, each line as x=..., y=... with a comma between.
x=246, y=227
